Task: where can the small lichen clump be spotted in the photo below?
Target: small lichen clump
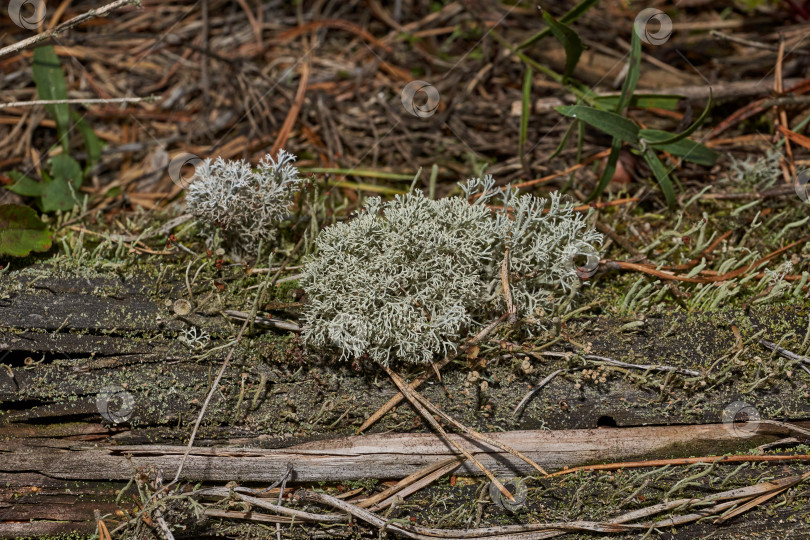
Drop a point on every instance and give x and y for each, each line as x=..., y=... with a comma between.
x=406, y=279
x=760, y=173
x=246, y=204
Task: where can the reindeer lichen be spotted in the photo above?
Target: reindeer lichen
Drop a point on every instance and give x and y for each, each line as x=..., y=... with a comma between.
x=407, y=279
x=246, y=204
x=759, y=173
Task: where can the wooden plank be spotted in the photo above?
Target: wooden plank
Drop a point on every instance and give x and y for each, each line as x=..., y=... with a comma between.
x=384, y=456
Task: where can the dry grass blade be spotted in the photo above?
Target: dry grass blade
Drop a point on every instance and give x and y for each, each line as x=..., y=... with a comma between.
x=103, y=531
x=394, y=401
x=534, y=390
x=416, y=383
x=429, y=471
x=680, y=461
x=75, y=21
x=261, y=503
x=509, y=532
x=748, y=505
x=748, y=497
x=448, y=467
x=292, y=115
x=648, y=269
x=476, y=435
x=409, y=394
x=511, y=309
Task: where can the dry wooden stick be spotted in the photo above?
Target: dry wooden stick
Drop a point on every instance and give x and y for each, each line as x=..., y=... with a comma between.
x=207, y=400
x=407, y=481
x=680, y=461
x=419, y=484
x=648, y=269
x=476, y=435
x=409, y=394
x=93, y=13
x=77, y=100
x=751, y=496
x=416, y=383
x=289, y=121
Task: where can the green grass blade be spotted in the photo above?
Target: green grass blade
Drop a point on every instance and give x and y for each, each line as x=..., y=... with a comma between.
x=686, y=148
x=633, y=72
x=50, y=82
x=661, y=176
x=366, y=173
x=611, y=123
x=92, y=143
x=570, y=42
x=667, y=102
x=688, y=131
x=572, y=15
x=360, y=186
x=610, y=168
x=564, y=140
x=525, y=112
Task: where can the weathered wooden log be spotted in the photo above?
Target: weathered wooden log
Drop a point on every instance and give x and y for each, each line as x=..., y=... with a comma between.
x=382, y=456
x=64, y=341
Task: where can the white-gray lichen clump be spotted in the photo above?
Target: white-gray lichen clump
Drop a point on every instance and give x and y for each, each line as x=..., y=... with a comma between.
x=246, y=204
x=760, y=173
x=407, y=279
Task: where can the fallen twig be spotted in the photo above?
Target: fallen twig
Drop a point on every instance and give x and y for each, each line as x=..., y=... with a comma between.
x=530, y=395
x=409, y=394
x=416, y=383
x=653, y=271
x=75, y=21
x=77, y=100
x=206, y=402
x=680, y=461
x=784, y=352
x=263, y=321
x=619, y=363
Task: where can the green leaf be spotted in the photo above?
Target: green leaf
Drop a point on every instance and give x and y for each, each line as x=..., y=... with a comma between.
x=56, y=192
x=688, y=131
x=525, y=112
x=686, y=148
x=564, y=140
x=609, y=122
x=91, y=141
x=610, y=168
x=23, y=185
x=50, y=83
x=633, y=72
x=668, y=102
x=572, y=15
x=21, y=231
x=661, y=175
x=56, y=195
x=66, y=169
x=570, y=41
